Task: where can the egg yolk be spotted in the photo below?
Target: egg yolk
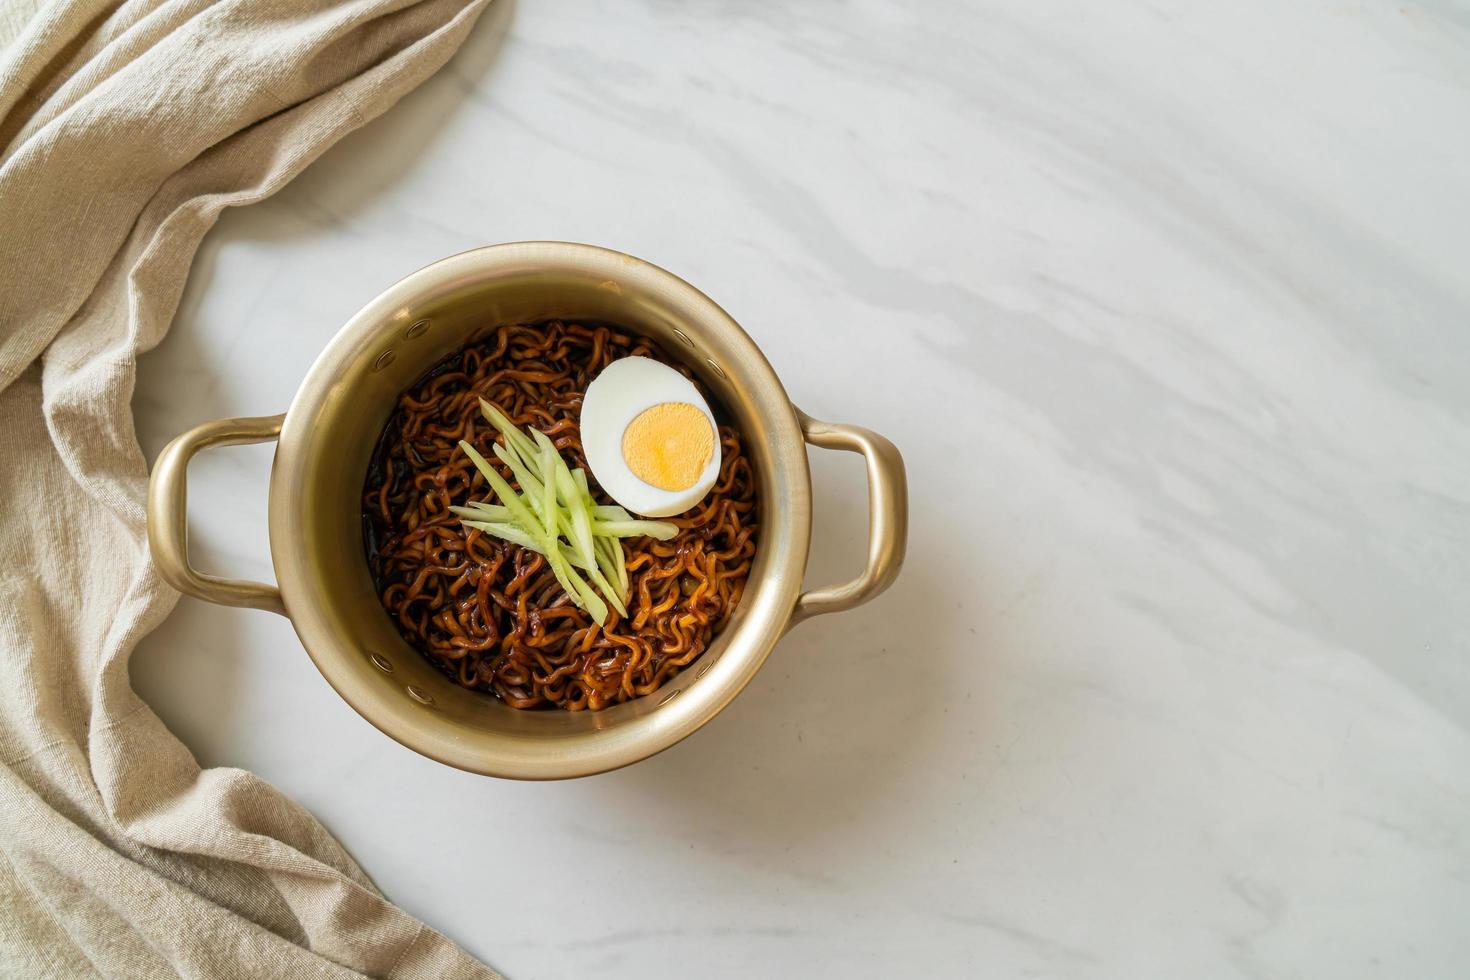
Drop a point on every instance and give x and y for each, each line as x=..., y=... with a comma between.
x=669, y=445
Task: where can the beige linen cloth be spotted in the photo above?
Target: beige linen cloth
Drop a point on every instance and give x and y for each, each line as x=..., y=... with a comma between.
x=126, y=126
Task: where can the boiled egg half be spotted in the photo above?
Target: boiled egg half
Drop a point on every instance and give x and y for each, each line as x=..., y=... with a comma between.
x=649, y=437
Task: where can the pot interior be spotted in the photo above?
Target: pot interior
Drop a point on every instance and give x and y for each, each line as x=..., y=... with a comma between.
x=338, y=415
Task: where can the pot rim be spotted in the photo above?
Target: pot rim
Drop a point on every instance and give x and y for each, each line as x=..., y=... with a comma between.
x=767, y=606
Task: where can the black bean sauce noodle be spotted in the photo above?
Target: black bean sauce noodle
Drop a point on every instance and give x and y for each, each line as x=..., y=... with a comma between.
x=490, y=614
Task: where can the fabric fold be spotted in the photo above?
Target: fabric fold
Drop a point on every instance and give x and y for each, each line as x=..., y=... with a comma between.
x=126, y=129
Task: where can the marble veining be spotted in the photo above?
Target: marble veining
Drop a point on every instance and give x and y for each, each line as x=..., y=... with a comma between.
x=1166, y=305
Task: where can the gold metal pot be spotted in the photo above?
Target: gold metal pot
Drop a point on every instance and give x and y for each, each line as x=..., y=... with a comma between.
x=323, y=445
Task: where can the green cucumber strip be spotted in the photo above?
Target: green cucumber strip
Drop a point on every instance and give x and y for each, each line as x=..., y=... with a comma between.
x=530, y=483
x=606, y=588
x=514, y=534
x=660, y=530
x=508, y=497
x=579, y=526
x=573, y=559
x=514, y=437
x=478, y=511
x=566, y=486
x=548, y=494
x=579, y=591
x=508, y=532
x=619, y=562
x=610, y=563
x=582, y=532
x=581, y=523
x=571, y=583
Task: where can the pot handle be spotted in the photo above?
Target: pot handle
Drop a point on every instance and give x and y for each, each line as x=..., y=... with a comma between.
x=888, y=516
x=168, y=522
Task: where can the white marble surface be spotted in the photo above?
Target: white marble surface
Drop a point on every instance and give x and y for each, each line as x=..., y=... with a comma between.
x=1167, y=304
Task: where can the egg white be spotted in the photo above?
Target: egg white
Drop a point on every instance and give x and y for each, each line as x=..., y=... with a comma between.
x=624, y=390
